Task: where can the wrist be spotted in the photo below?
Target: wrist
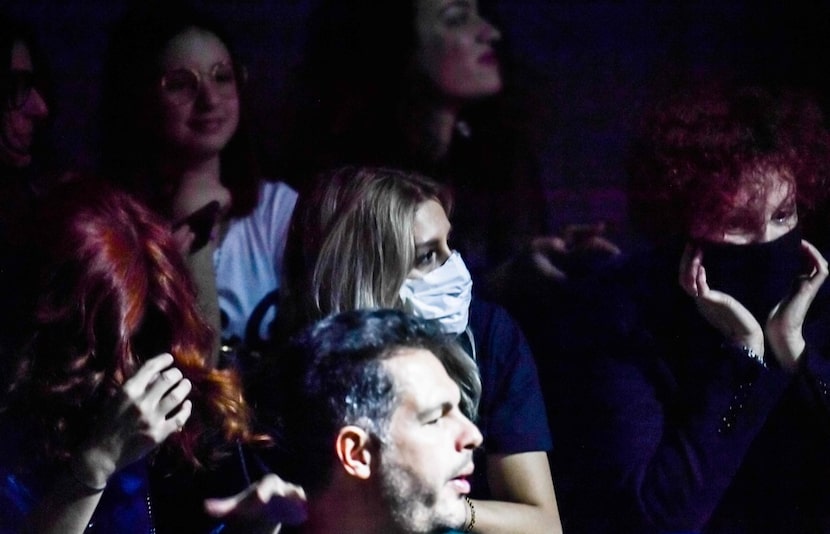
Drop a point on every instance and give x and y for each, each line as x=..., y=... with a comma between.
x=91, y=470
x=788, y=352
x=753, y=344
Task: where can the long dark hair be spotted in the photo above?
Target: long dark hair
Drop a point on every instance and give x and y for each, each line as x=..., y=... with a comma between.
x=357, y=99
x=130, y=150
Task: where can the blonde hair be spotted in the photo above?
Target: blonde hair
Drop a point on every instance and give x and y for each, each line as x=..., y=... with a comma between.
x=351, y=246
x=351, y=243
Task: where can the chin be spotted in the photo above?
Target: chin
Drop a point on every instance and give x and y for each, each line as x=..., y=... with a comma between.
x=476, y=88
x=209, y=146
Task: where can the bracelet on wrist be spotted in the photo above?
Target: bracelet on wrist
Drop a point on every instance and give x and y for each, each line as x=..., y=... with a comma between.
x=751, y=354
x=81, y=482
x=472, y=523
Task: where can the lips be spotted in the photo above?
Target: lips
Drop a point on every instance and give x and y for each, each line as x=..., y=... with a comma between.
x=488, y=58
x=208, y=124
x=461, y=481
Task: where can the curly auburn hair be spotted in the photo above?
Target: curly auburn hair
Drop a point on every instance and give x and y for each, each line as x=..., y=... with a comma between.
x=697, y=150
x=113, y=292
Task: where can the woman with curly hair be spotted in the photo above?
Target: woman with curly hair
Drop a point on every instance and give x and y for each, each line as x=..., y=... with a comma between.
x=707, y=388
x=114, y=369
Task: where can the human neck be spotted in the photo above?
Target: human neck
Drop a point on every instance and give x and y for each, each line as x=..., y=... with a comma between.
x=436, y=131
x=197, y=182
x=352, y=511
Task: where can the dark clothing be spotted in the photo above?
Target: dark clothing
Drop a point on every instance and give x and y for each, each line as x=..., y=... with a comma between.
x=666, y=428
x=512, y=411
x=150, y=496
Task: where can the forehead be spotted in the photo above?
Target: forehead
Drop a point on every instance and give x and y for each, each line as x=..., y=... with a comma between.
x=433, y=7
x=21, y=58
x=420, y=379
x=194, y=47
x=767, y=188
x=430, y=222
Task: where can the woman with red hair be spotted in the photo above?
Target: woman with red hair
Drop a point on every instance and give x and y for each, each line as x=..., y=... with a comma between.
x=707, y=390
x=114, y=369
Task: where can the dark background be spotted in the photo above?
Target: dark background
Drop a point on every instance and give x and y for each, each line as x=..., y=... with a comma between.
x=604, y=60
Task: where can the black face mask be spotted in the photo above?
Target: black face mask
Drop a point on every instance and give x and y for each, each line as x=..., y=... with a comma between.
x=758, y=275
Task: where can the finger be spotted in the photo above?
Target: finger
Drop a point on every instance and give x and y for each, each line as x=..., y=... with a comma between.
x=687, y=271
x=163, y=382
x=271, y=498
x=795, y=307
x=546, y=267
x=577, y=232
x=273, y=486
x=601, y=244
x=184, y=237
x=139, y=382
x=175, y=397
x=220, y=507
x=819, y=269
x=549, y=245
x=177, y=421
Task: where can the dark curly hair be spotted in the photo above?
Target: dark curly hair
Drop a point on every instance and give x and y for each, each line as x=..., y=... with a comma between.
x=699, y=148
x=111, y=292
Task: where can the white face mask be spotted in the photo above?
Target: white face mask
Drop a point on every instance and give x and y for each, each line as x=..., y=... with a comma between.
x=443, y=294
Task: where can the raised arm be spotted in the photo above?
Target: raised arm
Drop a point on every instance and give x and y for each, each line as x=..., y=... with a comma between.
x=150, y=406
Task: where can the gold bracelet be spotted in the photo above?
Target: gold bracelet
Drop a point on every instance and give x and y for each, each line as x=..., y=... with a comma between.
x=469, y=527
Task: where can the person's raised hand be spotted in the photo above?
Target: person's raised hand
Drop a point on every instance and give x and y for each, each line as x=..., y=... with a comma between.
x=784, y=326
x=731, y=318
x=552, y=253
x=150, y=406
x=263, y=507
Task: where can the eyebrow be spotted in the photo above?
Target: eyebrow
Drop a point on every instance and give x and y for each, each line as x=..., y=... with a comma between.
x=428, y=243
x=440, y=409
x=457, y=3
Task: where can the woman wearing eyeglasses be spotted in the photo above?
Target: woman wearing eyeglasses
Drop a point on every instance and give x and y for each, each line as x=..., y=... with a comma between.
x=23, y=109
x=24, y=106
x=174, y=135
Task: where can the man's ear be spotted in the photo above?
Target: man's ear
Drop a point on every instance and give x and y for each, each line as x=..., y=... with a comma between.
x=353, y=448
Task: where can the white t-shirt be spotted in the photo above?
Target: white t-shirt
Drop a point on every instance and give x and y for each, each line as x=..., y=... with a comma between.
x=249, y=260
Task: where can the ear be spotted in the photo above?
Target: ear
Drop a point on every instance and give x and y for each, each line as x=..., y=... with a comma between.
x=353, y=448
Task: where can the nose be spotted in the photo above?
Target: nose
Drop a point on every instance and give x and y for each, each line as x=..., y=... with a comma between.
x=208, y=93
x=771, y=232
x=487, y=33
x=469, y=436
x=36, y=106
x=445, y=252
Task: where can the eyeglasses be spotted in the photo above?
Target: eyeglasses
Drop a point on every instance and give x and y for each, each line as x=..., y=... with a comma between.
x=21, y=84
x=182, y=86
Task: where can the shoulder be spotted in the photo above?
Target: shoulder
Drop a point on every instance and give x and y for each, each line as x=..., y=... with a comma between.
x=498, y=337
x=274, y=208
x=275, y=195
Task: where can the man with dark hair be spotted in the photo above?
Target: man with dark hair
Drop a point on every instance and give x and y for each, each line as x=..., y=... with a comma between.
x=374, y=426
